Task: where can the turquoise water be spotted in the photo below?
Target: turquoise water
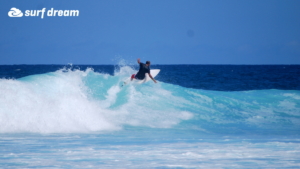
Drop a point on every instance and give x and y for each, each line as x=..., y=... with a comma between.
x=73, y=118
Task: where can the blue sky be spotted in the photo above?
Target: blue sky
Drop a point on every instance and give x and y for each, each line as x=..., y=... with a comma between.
x=163, y=31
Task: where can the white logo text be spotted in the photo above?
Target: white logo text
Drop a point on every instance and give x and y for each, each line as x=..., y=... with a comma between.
x=14, y=12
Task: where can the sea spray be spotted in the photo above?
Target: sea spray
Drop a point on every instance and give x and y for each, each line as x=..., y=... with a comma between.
x=50, y=103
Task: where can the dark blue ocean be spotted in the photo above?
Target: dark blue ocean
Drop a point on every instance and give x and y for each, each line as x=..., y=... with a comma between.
x=196, y=116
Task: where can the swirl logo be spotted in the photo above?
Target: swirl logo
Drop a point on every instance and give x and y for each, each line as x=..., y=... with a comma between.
x=14, y=12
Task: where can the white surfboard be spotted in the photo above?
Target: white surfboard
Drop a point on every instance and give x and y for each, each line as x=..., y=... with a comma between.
x=153, y=72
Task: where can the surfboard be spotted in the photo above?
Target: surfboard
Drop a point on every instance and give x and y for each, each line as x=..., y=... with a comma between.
x=153, y=72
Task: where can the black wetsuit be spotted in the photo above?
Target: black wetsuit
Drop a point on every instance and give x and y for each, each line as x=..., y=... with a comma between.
x=142, y=71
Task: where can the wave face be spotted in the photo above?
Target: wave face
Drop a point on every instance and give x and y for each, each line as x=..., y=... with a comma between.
x=77, y=101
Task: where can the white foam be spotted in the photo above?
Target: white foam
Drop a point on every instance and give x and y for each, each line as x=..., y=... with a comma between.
x=149, y=107
x=49, y=103
x=201, y=98
x=199, y=154
x=292, y=95
x=111, y=96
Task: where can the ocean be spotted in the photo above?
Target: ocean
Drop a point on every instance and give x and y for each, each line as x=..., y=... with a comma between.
x=196, y=116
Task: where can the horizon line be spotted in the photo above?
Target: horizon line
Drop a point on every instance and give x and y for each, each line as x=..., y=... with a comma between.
x=70, y=64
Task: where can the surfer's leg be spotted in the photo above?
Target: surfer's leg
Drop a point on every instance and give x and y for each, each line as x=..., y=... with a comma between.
x=132, y=76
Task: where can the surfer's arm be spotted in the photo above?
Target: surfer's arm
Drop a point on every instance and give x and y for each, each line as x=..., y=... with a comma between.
x=139, y=60
x=152, y=78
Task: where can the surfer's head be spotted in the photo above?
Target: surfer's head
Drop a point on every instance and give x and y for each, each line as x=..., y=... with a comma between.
x=147, y=62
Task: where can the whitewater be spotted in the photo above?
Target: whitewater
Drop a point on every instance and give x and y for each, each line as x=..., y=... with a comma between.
x=74, y=118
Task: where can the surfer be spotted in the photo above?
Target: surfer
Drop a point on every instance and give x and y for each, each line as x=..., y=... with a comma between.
x=144, y=68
